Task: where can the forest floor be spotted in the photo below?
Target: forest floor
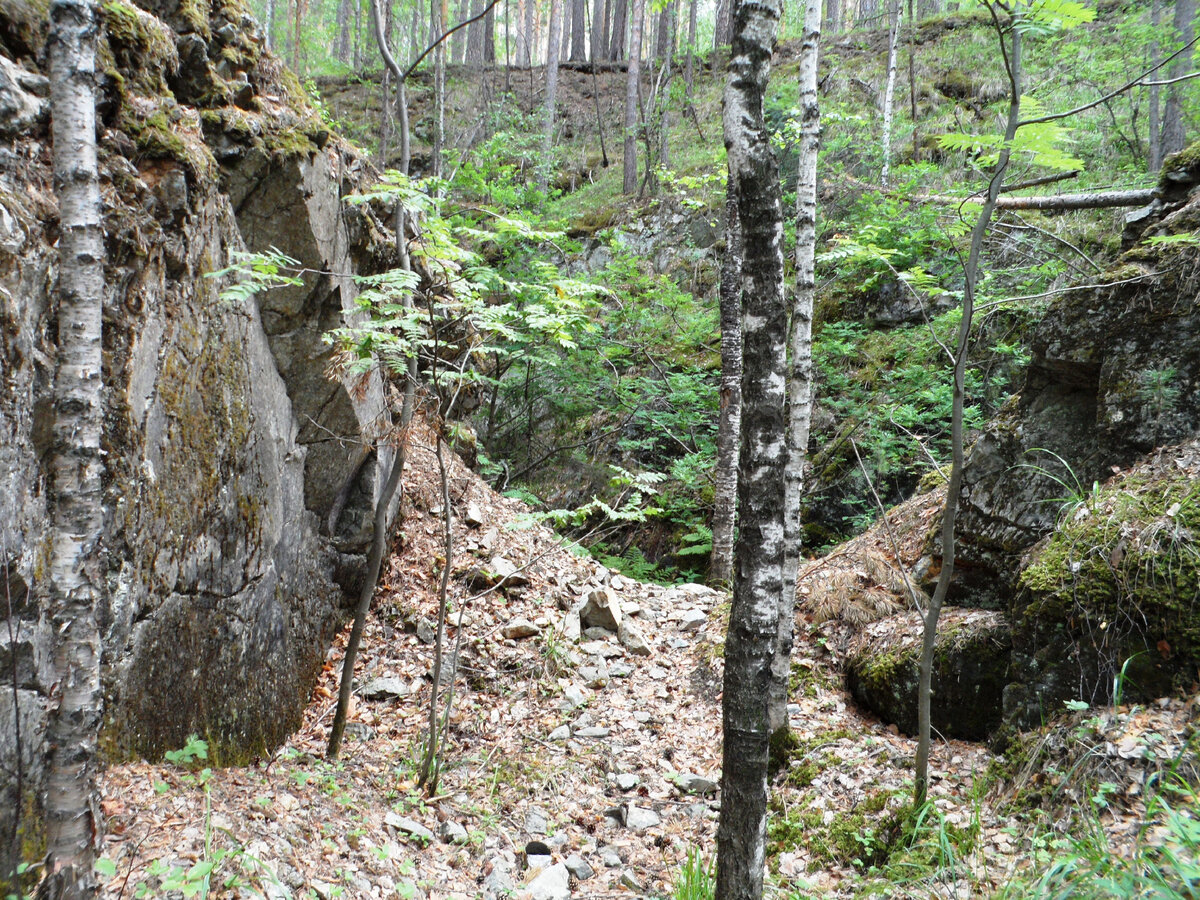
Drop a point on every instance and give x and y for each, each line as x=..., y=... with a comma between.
x=582, y=751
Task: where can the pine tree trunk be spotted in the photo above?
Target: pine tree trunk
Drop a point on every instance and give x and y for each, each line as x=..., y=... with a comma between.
x=632, y=85
x=723, y=23
x=889, y=91
x=758, y=571
x=527, y=44
x=578, y=30
x=596, y=40
x=489, y=37
x=76, y=571
x=342, y=47
x=475, y=37
x=458, y=40
x=833, y=16
x=616, y=45
x=800, y=381
x=564, y=48
x=1154, y=163
x=730, y=423
x=689, y=64
x=1173, y=136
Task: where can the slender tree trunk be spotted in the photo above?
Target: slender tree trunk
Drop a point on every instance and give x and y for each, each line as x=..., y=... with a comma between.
x=912, y=80
x=342, y=47
x=1173, y=137
x=596, y=38
x=889, y=91
x=475, y=37
x=1155, y=149
x=578, y=30
x=758, y=572
x=76, y=571
x=552, y=47
x=616, y=45
x=800, y=380
x=437, y=26
x=528, y=42
x=632, y=85
x=723, y=23
x=950, y=513
x=665, y=35
x=664, y=100
x=489, y=36
x=689, y=63
x=833, y=17
x=270, y=36
x=298, y=14
x=730, y=422
x=564, y=49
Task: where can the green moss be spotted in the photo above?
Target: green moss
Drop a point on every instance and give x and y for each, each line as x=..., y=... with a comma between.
x=196, y=14
x=1125, y=562
x=1183, y=165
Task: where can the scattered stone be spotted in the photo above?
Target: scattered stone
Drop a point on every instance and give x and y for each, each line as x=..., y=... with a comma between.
x=561, y=733
x=387, y=688
x=425, y=631
x=629, y=881
x=603, y=649
x=452, y=833
x=658, y=673
x=554, y=883
x=474, y=515
x=610, y=858
x=594, y=677
x=691, y=620
x=578, y=868
x=602, y=610
x=695, y=784
x=536, y=822
x=507, y=573
x=539, y=861
x=638, y=819
x=620, y=670
x=489, y=540
x=631, y=639
x=574, y=695
x=626, y=781
x=408, y=826
x=520, y=628
x=594, y=731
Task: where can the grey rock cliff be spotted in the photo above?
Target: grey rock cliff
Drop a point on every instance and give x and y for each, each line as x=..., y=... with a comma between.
x=226, y=440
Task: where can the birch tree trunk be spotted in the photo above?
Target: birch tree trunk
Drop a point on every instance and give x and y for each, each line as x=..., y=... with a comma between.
x=889, y=91
x=730, y=423
x=76, y=572
x=270, y=36
x=800, y=380
x=1154, y=163
x=950, y=513
x=632, y=85
x=437, y=24
x=760, y=549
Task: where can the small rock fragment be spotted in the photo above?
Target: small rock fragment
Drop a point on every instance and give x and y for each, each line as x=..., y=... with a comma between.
x=610, y=857
x=408, y=826
x=691, y=620
x=695, y=784
x=387, y=688
x=594, y=731
x=628, y=880
x=631, y=639
x=578, y=868
x=553, y=883
x=536, y=822
x=602, y=610
x=474, y=515
x=520, y=628
x=561, y=733
x=638, y=819
x=452, y=833
x=627, y=781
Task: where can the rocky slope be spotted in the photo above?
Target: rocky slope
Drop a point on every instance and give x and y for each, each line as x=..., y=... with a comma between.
x=226, y=442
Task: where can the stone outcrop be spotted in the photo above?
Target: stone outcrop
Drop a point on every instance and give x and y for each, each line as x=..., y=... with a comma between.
x=226, y=441
x=970, y=670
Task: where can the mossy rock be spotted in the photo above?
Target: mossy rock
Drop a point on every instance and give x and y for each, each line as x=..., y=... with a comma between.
x=970, y=670
x=1112, y=595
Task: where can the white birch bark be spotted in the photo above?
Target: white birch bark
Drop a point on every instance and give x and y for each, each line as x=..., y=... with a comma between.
x=632, y=84
x=760, y=549
x=77, y=515
x=800, y=380
x=889, y=91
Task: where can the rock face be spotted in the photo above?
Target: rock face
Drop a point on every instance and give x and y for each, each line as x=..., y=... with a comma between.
x=1113, y=375
x=970, y=670
x=223, y=589
x=1109, y=597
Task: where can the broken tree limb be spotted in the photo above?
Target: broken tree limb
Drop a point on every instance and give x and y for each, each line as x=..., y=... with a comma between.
x=1058, y=202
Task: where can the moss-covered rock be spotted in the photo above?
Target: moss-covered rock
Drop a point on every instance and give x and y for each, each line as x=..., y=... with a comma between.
x=1110, y=600
x=970, y=669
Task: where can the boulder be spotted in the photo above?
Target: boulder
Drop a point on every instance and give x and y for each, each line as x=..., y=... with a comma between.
x=970, y=671
x=1107, y=601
